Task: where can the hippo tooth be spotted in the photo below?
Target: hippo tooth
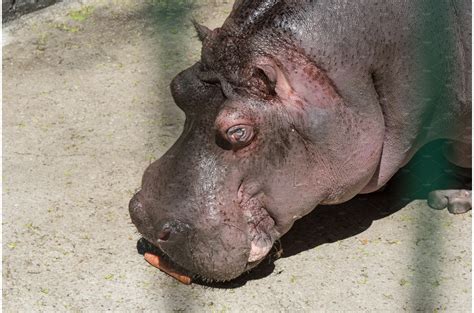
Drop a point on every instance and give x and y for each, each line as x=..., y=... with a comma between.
x=257, y=253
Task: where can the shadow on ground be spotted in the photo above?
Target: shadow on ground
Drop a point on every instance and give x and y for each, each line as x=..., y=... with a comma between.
x=426, y=172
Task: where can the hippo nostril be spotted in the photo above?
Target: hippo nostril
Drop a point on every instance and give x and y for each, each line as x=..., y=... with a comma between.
x=164, y=235
x=172, y=230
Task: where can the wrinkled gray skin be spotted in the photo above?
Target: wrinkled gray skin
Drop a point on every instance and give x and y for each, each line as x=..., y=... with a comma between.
x=339, y=94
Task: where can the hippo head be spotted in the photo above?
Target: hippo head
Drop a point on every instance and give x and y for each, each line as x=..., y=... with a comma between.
x=267, y=138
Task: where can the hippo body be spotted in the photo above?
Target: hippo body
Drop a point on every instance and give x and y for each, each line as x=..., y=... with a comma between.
x=299, y=103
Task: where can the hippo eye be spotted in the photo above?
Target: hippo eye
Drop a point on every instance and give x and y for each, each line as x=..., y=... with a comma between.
x=240, y=135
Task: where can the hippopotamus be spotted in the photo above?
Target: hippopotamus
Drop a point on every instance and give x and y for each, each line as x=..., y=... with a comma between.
x=296, y=104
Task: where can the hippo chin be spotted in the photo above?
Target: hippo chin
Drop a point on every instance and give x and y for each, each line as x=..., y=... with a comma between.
x=299, y=103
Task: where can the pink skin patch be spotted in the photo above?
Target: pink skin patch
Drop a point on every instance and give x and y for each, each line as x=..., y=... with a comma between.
x=308, y=84
x=257, y=253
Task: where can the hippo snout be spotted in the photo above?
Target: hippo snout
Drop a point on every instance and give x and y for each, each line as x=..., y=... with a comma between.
x=171, y=231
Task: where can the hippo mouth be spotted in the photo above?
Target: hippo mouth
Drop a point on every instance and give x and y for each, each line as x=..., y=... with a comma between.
x=167, y=265
x=260, y=232
x=261, y=236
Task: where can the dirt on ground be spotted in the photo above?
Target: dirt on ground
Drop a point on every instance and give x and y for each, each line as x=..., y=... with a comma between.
x=87, y=107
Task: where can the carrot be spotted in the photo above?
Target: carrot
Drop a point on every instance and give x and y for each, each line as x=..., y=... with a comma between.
x=155, y=261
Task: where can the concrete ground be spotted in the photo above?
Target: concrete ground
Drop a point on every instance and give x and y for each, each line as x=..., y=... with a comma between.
x=86, y=107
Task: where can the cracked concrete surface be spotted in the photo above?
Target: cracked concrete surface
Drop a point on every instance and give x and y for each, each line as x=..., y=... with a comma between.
x=86, y=108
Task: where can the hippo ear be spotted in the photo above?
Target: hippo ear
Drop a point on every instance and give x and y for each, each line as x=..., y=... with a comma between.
x=302, y=82
x=277, y=78
x=201, y=30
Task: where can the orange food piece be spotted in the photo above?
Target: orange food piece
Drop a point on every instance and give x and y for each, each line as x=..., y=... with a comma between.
x=155, y=261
